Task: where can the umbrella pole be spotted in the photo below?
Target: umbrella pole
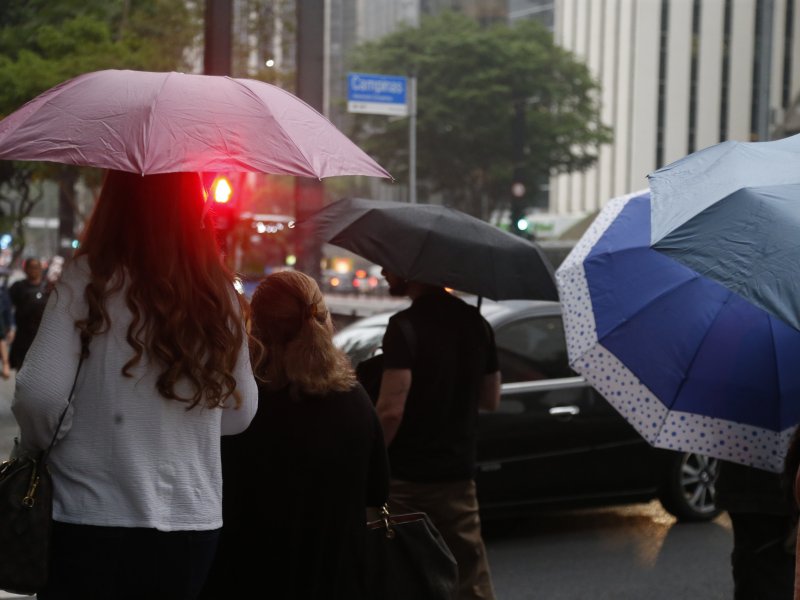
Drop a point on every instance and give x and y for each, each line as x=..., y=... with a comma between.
x=480, y=299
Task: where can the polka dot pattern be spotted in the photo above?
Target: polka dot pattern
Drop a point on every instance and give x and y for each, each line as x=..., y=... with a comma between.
x=573, y=289
x=626, y=393
x=623, y=390
x=723, y=439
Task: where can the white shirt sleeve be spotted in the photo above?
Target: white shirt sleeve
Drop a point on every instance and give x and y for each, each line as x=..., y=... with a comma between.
x=48, y=372
x=236, y=420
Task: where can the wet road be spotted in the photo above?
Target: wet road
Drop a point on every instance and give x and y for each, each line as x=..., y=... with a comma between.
x=637, y=552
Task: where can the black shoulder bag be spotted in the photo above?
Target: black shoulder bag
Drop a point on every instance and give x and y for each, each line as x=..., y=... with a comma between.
x=26, y=512
x=408, y=558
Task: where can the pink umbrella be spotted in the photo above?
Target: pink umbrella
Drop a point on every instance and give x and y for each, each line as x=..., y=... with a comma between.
x=149, y=123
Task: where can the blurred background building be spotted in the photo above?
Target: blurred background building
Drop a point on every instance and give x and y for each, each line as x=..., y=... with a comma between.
x=678, y=76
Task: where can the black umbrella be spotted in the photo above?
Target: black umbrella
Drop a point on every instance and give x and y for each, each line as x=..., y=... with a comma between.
x=437, y=245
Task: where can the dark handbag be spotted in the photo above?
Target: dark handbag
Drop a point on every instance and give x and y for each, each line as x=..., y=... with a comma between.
x=408, y=558
x=26, y=514
x=26, y=502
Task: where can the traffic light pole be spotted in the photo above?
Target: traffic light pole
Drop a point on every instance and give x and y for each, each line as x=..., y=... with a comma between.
x=309, y=192
x=412, y=140
x=518, y=157
x=217, y=41
x=217, y=60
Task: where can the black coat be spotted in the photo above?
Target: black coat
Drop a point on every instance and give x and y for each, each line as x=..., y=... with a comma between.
x=296, y=485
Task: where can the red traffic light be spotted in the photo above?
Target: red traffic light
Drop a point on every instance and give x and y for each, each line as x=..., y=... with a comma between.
x=221, y=190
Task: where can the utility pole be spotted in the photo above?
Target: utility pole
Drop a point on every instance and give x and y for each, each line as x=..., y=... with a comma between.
x=217, y=46
x=764, y=61
x=309, y=193
x=412, y=139
x=217, y=61
x=518, y=186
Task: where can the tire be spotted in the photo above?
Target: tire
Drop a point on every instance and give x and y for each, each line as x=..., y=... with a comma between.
x=689, y=491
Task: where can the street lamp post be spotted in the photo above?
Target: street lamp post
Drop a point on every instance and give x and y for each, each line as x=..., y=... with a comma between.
x=412, y=139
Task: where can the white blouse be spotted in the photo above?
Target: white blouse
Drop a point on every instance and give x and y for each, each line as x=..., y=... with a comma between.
x=126, y=457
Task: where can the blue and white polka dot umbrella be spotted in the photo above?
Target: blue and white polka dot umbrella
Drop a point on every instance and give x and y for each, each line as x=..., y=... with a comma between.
x=691, y=365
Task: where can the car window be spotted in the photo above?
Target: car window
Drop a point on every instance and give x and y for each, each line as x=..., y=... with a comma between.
x=359, y=343
x=532, y=348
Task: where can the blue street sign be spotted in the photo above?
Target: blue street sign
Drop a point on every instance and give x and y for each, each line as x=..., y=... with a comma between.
x=377, y=94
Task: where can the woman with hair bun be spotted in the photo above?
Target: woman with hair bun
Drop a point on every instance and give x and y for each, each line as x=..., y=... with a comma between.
x=297, y=483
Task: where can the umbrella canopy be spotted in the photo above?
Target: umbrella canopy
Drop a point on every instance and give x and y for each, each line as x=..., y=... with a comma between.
x=690, y=364
x=148, y=123
x=731, y=212
x=437, y=245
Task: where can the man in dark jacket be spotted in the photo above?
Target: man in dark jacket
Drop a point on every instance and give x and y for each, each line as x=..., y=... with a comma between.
x=440, y=367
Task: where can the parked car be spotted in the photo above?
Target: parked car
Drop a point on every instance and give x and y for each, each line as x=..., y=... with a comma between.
x=554, y=442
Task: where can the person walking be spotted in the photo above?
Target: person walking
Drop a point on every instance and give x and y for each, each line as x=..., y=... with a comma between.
x=137, y=473
x=790, y=483
x=762, y=517
x=8, y=330
x=28, y=298
x=297, y=483
x=440, y=367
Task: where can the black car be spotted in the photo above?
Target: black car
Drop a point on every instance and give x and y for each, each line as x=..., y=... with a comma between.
x=554, y=442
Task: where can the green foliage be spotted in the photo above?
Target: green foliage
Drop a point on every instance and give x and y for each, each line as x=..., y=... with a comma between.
x=470, y=79
x=46, y=42
x=267, y=21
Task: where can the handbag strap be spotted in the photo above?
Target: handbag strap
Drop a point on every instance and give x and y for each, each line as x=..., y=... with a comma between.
x=84, y=353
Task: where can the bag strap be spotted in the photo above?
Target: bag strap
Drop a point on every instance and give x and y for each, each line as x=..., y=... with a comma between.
x=84, y=353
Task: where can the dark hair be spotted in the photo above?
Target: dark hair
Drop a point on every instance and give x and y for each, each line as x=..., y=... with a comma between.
x=151, y=233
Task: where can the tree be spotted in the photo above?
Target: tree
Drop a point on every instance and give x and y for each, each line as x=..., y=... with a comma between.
x=45, y=42
x=477, y=89
x=271, y=29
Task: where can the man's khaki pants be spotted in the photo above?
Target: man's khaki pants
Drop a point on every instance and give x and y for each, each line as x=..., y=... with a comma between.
x=453, y=508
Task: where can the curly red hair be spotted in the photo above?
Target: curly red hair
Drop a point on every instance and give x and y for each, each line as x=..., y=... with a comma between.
x=150, y=235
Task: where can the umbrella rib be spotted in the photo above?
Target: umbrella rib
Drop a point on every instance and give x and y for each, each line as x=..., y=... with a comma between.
x=338, y=226
x=420, y=253
x=659, y=296
x=697, y=348
x=341, y=228
x=148, y=127
x=309, y=164
x=56, y=93
x=777, y=372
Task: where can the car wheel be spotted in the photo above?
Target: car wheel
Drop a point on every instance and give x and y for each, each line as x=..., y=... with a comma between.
x=689, y=491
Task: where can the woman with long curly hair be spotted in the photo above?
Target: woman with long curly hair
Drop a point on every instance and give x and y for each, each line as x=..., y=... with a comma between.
x=297, y=483
x=166, y=371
